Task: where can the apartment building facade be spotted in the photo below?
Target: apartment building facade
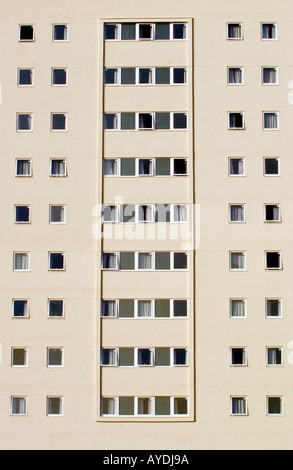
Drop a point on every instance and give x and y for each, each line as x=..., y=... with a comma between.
x=146, y=242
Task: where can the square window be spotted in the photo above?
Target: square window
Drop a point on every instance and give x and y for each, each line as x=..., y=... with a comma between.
x=180, y=121
x=273, y=260
x=110, y=121
x=146, y=213
x=128, y=167
x=179, y=308
x=59, y=77
x=179, y=357
x=109, y=261
x=145, y=121
x=21, y=262
x=127, y=261
x=145, y=31
x=19, y=406
x=126, y=308
x=127, y=121
x=145, y=261
x=111, y=76
x=269, y=75
x=23, y=167
x=237, y=213
x=180, y=213
x=128, y=32
x=144, y=308
x=25, y=77
x=273, y=308
x=111, y=32
x=126, y=406
x=269, y=31
x=162, y=260
x=22, y=214
x=144, y=406
x=236, y=167
x=162, y=406
x=109, y=357
x=145, y=76
x=237, y=261
x=24, y=122
x=128, y=214
x=26, y=33
x=110, y=167
x=238, y=406
x=59, y=122
x=237, y=308
x=110, y=213
x=180, y=260
x=162, y=213
x=163, y=167
x=270, y=121
x=179, y=31
x=162, y=357
x=162, y=120
x=238, y=357
x=19, y=357
x=162, y=308
x=162, y=31
x=179, y=166
x=57, y=215
x=162, y=76
x=144, y=357
x=57, y=167
x=54, y=406
x=56, y=261
x=179, y=75
x=236, y=120
x=108, y=406
x=55, y=357
x=180, y=406
x=20, y=308
x=145, y=167
x=274, y=356
x=272, y=213
x=60, y=32
x=235, y=76
x=126, y=357
x=274, y=406
x=234, y=31
x=56, y=308
x=271, y=167
x=128, y=76
x=109, y=308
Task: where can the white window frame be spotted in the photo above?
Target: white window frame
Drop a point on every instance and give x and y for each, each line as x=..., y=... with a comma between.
x=52, y=77
x=52, y=175
x=261, y=30
x=281, y=405
x=172, y=253
x=117, y=214
x=153, y=167
x=32, y=70
x=25, y=356
x=277, y=75
x=64, y=261
x=63, y=206
x=152, y=407
x=242, y=299
x=26, y=405
x=153, y=126
x=281, y=263
x=116, y=355
x=136, y=261
x=153, y=36
x=172, y=406
x=152, y=301
x=272, y=221
x=116, y=308
x=27, y=308
x=30, y=166
x=267, y=356
x=117, y=166
x=63, y=308
x=244, y=167
x=117, y=259
x=34, y=32
x=152, y=357
x=32, y=122
x=66, y=122
x=239, y=23
x=244, y=213
x=116, y=407
x=21, y=253
x=62, y=357
x=280, y=301
x=245, y=363
x=24, y=222
x=172, y=357
x=243, y=121
x=230, y=261
x=172, y=214
x=264, y=167
x=231, y=405
x=67, y=29
x=152, y=213
x=242, y=75
x=270, y=128
x=61, y=398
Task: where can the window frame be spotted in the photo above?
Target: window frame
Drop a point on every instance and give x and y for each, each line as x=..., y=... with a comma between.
x=264, y=167
x=25, y=349
x=48, y=308
x=277, y=221
x=21, y=253
x=48, y=357
x=238, y=175
x=26, y=405
x=280, y=268
x=238, y=23
x=54, y=175
x=52, y=121
x=263, y=68
x=244, y=300
x=118, y=35
x=244, y=354
x=281, y=398
x=231, y=252
x=32, y=70
x=29, y=160
x=64, y=261
x=29, y=212
x=61, y=406
x=63, y=206
x=242, y=76
x=241, y=113
x=244, y=398
x=67, y=32
x=262, y=24
x=280, y=348
x=27, y=309
x=276, y=113
x=280, y=301
x=243, y=205
x=33, y=29
x=52, y=77
x=31, y=116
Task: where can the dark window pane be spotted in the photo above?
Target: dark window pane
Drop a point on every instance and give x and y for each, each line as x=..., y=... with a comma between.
x=180, y=308
x=22, y=214
x=179, y=75
x=127, y=121
x=271, y=166
x=59, y=77
x=162, y=357
x=180, y=121
x=145, y=121
x=110, y=76
x=162, y=120
x=55, y=308
x=126, y=261
x=162, y=166
x=110, y=31
x=126, y=308
x=128, y=31
x=162, y=260
x=58, y=122
x=162, y=31
x=180, y=261
x=162, y=308
x=179, y=31
x=128, y=213
x=127, y=167
x=60, y=32
x=145, y=31
x=20, y=308
x=162, y=75
x=128, y=76
x=56, y=261
x=25, y=77
x=26, y=33
x=180, y=166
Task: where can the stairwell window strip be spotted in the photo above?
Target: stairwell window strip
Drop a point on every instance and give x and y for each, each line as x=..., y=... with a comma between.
x=158, y=167
x=145, y=121
x=141, y=261
x=145, y=31
x=144, y=309
x=145, y=76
